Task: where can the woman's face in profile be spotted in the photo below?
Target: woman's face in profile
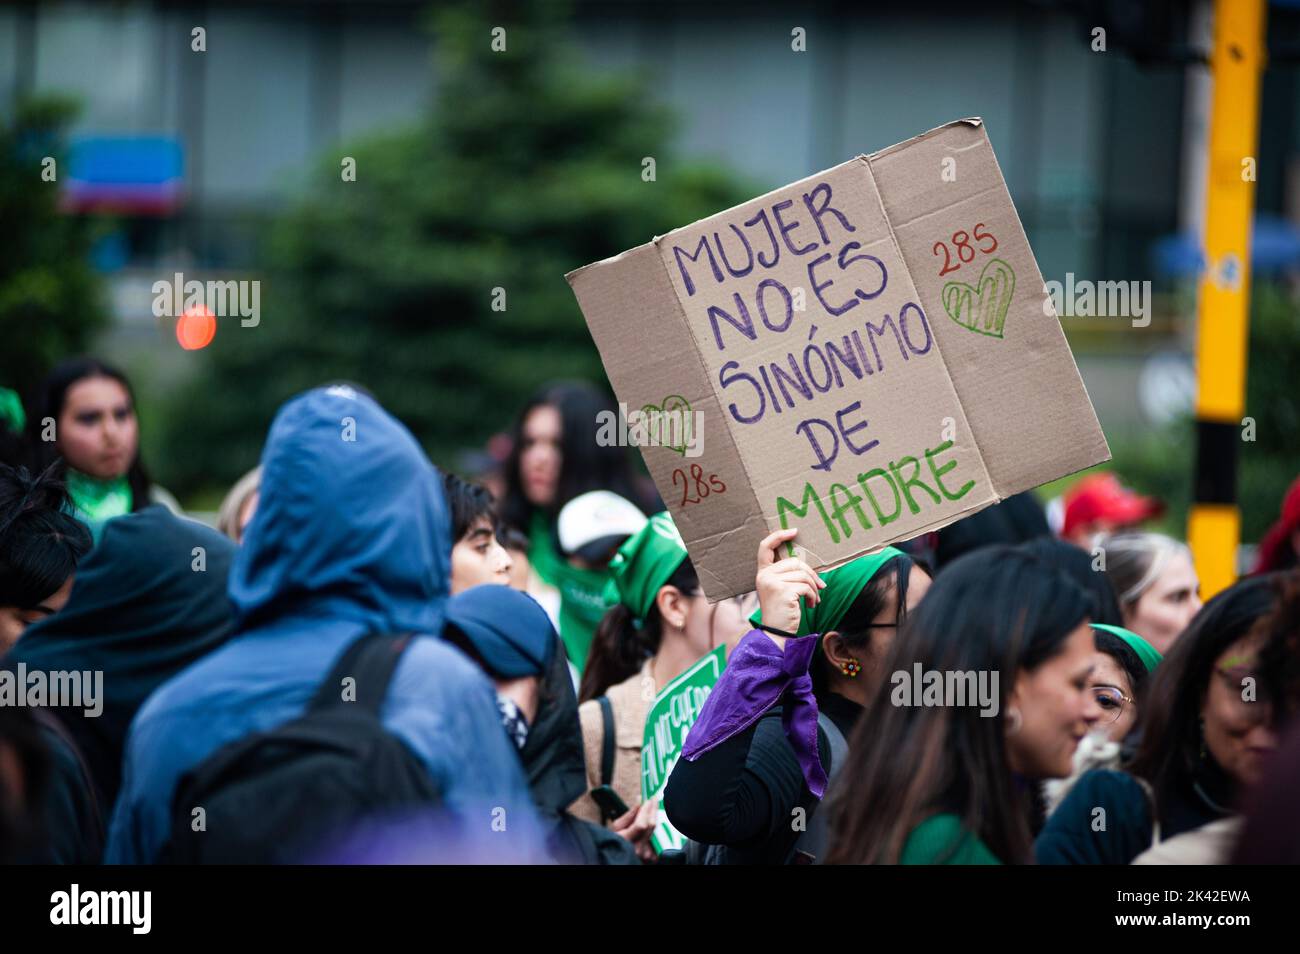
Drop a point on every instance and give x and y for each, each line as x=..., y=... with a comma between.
x=14, y=620
x=1236, y=717
x=1168, y=605
x=1113, y=691
x=1055, y=708
x=723, y=623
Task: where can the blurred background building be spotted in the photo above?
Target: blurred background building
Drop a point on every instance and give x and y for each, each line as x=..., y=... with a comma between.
x=1101, y=153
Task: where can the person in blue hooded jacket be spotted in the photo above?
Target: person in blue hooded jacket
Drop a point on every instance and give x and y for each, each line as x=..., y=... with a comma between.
x=351, y=536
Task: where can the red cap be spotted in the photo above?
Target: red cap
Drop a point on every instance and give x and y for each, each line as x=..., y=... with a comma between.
x=1102, y=498
x=1278, y=539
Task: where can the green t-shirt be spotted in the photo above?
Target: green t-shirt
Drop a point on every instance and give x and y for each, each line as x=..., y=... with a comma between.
x=582, y=592
x=941, y=840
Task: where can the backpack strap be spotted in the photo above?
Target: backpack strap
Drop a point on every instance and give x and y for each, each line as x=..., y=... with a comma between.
x=607, y=741
x=811, y=844
x=370, y=661
x=839, y=745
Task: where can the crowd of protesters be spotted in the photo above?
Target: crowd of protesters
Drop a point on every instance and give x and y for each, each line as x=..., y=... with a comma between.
x=367, y=660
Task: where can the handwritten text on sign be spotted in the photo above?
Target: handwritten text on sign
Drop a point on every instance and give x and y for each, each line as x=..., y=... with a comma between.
x=848, y=339
x=867, y=348
x=667, y=724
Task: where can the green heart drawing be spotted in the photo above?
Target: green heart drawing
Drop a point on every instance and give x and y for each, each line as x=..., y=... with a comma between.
x=659, y=415
x=984, y=310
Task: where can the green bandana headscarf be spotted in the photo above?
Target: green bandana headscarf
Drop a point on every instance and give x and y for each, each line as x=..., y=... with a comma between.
x=643, y=564
x=843, y=584
x=582, y=602
x=11, y=410
x=1147, y=653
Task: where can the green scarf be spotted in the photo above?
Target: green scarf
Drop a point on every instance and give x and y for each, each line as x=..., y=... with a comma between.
x=643, y=564
x=98, y=501
x=1148, y=654
x=582, y=601
x=843, y=584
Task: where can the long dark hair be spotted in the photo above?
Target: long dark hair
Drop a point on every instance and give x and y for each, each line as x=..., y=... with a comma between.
x=1170, y=750
x=584, y=464
x=1279, y=660
x=40, y=541
x=997, y=610
x=49, y=401
x=1076, y=563
x=1272, y=831
x=855, y=629
x=620, y=647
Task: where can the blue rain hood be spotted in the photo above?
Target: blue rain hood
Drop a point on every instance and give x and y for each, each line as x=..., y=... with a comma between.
x=371, y=545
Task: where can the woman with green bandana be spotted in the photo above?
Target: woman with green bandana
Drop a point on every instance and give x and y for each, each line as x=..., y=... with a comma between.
x=95, y=430
x=761, y=749
x=554, y=458
x=988, y=698
x=657, y=625
x=1121, y=672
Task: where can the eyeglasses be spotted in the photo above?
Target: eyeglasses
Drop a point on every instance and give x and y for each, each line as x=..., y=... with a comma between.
x=1245, y=685
x=1111, y=701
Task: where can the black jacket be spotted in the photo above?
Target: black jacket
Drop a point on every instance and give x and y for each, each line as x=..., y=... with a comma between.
x=744, y=793
x=143, y=606
x=1076, y=834
x=140, y=611
x=557, y=774
x=72, y=818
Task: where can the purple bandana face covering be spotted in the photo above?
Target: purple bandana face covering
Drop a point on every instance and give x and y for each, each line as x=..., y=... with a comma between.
x=757, y=677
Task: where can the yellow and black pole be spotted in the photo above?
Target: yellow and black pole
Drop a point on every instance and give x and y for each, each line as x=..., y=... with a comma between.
x=1236, y=65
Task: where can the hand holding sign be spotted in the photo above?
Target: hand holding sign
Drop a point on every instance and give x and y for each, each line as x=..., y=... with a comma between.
x=781, y=583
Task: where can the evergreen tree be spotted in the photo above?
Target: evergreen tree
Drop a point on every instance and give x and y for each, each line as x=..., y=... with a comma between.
x=436, y=278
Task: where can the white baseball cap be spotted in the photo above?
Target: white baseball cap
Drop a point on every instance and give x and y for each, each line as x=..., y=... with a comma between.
x=591, y=525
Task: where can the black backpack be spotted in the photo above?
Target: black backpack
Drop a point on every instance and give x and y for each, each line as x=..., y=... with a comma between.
x=274, y=797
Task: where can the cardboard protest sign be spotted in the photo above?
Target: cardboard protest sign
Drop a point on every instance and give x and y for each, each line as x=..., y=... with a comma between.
x=667, y=723
x=867, y=354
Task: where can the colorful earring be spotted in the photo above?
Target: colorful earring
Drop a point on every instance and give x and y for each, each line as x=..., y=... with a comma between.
x=851, y=668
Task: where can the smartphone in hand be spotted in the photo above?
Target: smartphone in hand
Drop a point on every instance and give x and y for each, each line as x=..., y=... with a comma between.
x=611, y=806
